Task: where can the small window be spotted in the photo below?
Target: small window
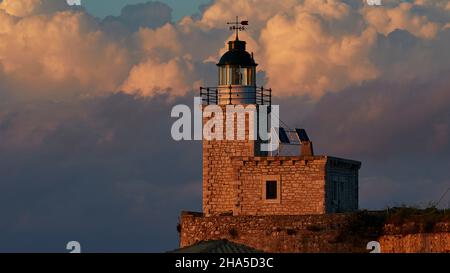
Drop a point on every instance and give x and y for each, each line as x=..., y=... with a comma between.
x=271, y=190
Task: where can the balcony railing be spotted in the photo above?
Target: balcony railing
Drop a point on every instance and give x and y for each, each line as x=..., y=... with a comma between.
x=233, y=94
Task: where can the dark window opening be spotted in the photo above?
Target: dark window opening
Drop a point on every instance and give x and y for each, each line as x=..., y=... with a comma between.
x=271, y=189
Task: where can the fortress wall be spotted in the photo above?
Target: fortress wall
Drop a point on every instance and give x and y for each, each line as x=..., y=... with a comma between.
x=308, y=233
x=299, y=233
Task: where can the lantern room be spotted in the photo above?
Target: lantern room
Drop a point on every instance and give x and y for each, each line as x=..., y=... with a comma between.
x=236, y=76
x=237, y=66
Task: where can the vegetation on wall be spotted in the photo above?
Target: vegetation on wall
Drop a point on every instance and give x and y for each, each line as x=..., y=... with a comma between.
x=403, y=220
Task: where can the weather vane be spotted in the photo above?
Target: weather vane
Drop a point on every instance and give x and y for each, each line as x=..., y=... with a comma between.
x=238, y=26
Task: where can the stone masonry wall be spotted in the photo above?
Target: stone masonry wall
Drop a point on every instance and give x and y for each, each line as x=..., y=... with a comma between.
x=301, y=179
x=299, y=233
x=307, y=233
x=416, y=243
x=219, y=190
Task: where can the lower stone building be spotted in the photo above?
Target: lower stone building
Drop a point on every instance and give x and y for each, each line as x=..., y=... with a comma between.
x=294, y=185
x=238, y=179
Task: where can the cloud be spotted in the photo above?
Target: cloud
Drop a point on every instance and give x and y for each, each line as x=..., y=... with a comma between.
x=85, y=103
x=150, y=77
x=19, y=7
x=47, y=55
x=221, y=11
x=319, y=61
x=163, y=68
x=24, y=8
x=328, y=45
x=143, y=15
x=69, y=53
x=94, y=170
x=401, y=17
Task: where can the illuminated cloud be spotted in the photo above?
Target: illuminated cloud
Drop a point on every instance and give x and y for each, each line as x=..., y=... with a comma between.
x=152, y=77
x=401, y=17
x=20, y=8
x=53, y=55
x=318, y=60
x=24, y=8
x=326, y=45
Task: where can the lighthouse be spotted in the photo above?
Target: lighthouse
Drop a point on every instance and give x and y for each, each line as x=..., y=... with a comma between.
x=239, y=179
x=250, y=196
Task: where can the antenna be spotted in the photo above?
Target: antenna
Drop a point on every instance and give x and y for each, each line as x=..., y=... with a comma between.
x=237, y=26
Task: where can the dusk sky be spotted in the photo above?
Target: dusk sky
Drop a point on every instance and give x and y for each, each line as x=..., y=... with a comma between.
x=86, y=93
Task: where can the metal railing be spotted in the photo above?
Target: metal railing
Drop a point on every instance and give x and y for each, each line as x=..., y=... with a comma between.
x=221, y=94
x=209, y=95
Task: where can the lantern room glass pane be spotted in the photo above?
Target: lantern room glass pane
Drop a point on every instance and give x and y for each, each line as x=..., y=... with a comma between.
x=251, y=76
x=244, y=76
x=224, y=78
x=236, y=75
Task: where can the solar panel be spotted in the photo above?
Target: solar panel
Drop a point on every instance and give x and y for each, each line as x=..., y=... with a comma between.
x=302, y=135
x=283, y=136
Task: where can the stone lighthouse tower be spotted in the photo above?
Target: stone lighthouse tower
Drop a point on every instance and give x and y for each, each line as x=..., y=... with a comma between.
x=239, y=178
x=236, y=87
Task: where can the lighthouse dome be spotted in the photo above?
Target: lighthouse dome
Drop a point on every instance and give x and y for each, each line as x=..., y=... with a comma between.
x=236, y=55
